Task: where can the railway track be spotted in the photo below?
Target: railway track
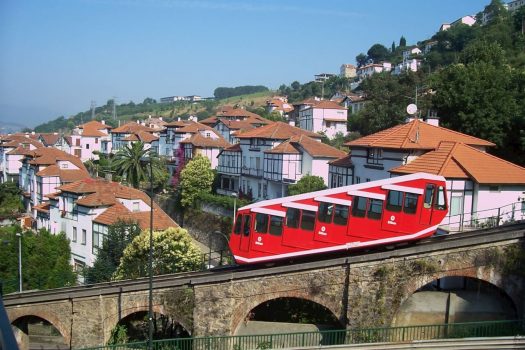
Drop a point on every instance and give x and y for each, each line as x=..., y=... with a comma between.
x=233, y=272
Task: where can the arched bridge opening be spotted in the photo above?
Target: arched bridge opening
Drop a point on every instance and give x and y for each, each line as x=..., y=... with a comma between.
x=135, y=327
x=34, y=332
x=286, y=315
x=455, y=299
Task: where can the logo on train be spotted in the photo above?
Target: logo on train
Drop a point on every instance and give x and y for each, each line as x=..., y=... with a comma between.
x=322, y=232
x=392, y=220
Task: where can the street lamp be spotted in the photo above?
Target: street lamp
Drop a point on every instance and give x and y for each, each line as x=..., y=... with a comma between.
x=234, y=195
x=150, y=258
x=19, y=235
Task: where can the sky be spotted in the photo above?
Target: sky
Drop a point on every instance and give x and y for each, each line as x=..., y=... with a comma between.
x=56, y=56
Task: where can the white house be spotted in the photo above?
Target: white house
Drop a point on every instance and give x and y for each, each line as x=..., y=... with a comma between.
x=476, y=180
x=371, y=69
x=325, y=117
x=12, y=151
x=85, y=209
x=271, y=157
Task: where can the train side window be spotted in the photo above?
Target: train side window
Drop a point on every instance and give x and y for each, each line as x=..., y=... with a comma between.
x=293, y=216
x=410, y=203
x=359, y=207
x=394, y=200
x=261, y=223
x=325, y=212
x=375, y=209
x=308, y=220
x=276, y=225
x=429, y=195
x=238, y=225
x=247, y=223
x=341, y=215
x=441, y=203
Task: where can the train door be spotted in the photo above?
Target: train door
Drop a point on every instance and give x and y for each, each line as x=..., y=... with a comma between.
x=332, y=222
x=365, y=223
x=299, y=227
x=245, y=233
x=426, y=209
x=393, y=215
x=267, y=233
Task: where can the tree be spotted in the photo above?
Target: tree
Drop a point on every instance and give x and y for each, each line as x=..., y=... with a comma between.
x=377, y=53
x=10, y=202
x=45, y=259
x=131, y=162
x=361, y=59
x=173, y=251
x=195, y=178
x=307, y=183
x=393, y=47
x=108, y=257
x=149, y=101
x=402, y=41
x=296, y=85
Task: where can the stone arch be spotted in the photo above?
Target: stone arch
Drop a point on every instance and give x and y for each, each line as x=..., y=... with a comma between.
x=16, y=316
x=114, y=319
x=244, y=308
x=484, y=275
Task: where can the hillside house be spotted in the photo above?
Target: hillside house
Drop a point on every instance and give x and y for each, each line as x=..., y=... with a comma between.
x=270, y=158
x=368, y=70
x=325, y=117
x=347, y=71
x=476, y=180
x=132, y=132
x=85, y=209
x=93, y=136
x=280, y=105
x=43, y=170
x=13, y=148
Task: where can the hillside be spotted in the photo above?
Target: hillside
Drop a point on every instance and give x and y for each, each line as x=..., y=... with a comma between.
x=170, y=111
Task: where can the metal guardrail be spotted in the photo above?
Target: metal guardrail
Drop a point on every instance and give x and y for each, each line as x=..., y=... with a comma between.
x=486, y=218
x=334, y=337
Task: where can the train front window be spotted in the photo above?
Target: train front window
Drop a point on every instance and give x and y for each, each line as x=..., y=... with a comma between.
x=276, y=225
x=375, y=209
x=308, y=220
x=410, y=203
x=238, y=225
x=341, y=215
x=429, y=195
x=394, y=200
x=441, y=203
x=247, y=223
x=325, y=212
x=359, y=207
x=261, y=223
x=292, y=217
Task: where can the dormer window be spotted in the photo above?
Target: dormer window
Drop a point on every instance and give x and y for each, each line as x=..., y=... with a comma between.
x=63, y=166
x=136, y=206
x=208, y=134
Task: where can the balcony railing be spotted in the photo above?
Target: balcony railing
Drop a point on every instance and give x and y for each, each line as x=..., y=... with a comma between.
x=229, y=170
x=252, y=172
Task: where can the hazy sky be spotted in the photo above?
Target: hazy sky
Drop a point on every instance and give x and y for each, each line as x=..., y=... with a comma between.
x=56, y=56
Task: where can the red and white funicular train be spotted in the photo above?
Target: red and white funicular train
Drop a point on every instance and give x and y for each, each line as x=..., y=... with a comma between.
x=380, y=212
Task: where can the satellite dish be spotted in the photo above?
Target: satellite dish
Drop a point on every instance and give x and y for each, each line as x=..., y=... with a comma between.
x=411, y=109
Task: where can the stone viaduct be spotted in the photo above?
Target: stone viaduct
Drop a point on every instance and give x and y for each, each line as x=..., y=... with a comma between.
x=360, y=290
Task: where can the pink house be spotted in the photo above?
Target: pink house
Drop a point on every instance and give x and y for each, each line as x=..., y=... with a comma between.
x=323, y=116
x=90, y=137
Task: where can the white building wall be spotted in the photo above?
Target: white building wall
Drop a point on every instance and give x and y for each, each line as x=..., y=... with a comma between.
x=320, y=168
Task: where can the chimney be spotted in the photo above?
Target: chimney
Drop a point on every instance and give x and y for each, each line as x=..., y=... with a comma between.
x=55, y=133
x=432, y=118
x=32, y=132
x=103, y=121
x=160, y=118
x=178, y=119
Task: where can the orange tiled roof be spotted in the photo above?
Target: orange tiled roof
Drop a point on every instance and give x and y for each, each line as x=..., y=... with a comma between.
x=146, y=137
x=415, y=135
x=325, y=104
x=457, y=160
x=65, y=175
x=17, y=140
x=345, y=162
x=42, y=207
x=178, y=123
x=49, y=156
x=49, y=138
x=95, y=124
x=199, y=140
x=131, y=127
x=276, y=130
x=280, y=105
x=20, y=150
x=193, y=127
x=316, y=148
x=53, y=195
x=131, y=137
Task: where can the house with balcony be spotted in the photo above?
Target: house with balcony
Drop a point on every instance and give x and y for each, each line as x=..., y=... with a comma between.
x=85, y=209
x=93, y=136
x=368, y=70
x=327, y=117
x=228, y=128
x=43, y=170
x=476, y=180
x=131, y=132
x=207, y=143
x=269, y=158
x=12, y=151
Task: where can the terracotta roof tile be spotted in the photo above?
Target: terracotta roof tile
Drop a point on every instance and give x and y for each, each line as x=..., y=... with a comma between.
x=316, y=148
x=49, y=156
x=130, y=128
x=457, y=160
x=325, y=104
x=95, y=124
x=65, y=175
x=278, y=131
x=42, y=207
x=415, y=135
x=199, y=140
x=49, y=138
x=345, y=162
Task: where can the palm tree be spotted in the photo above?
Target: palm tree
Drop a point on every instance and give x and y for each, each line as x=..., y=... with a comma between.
x=129, y=163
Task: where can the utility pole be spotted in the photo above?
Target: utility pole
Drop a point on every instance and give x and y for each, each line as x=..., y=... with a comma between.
x=93, y=106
